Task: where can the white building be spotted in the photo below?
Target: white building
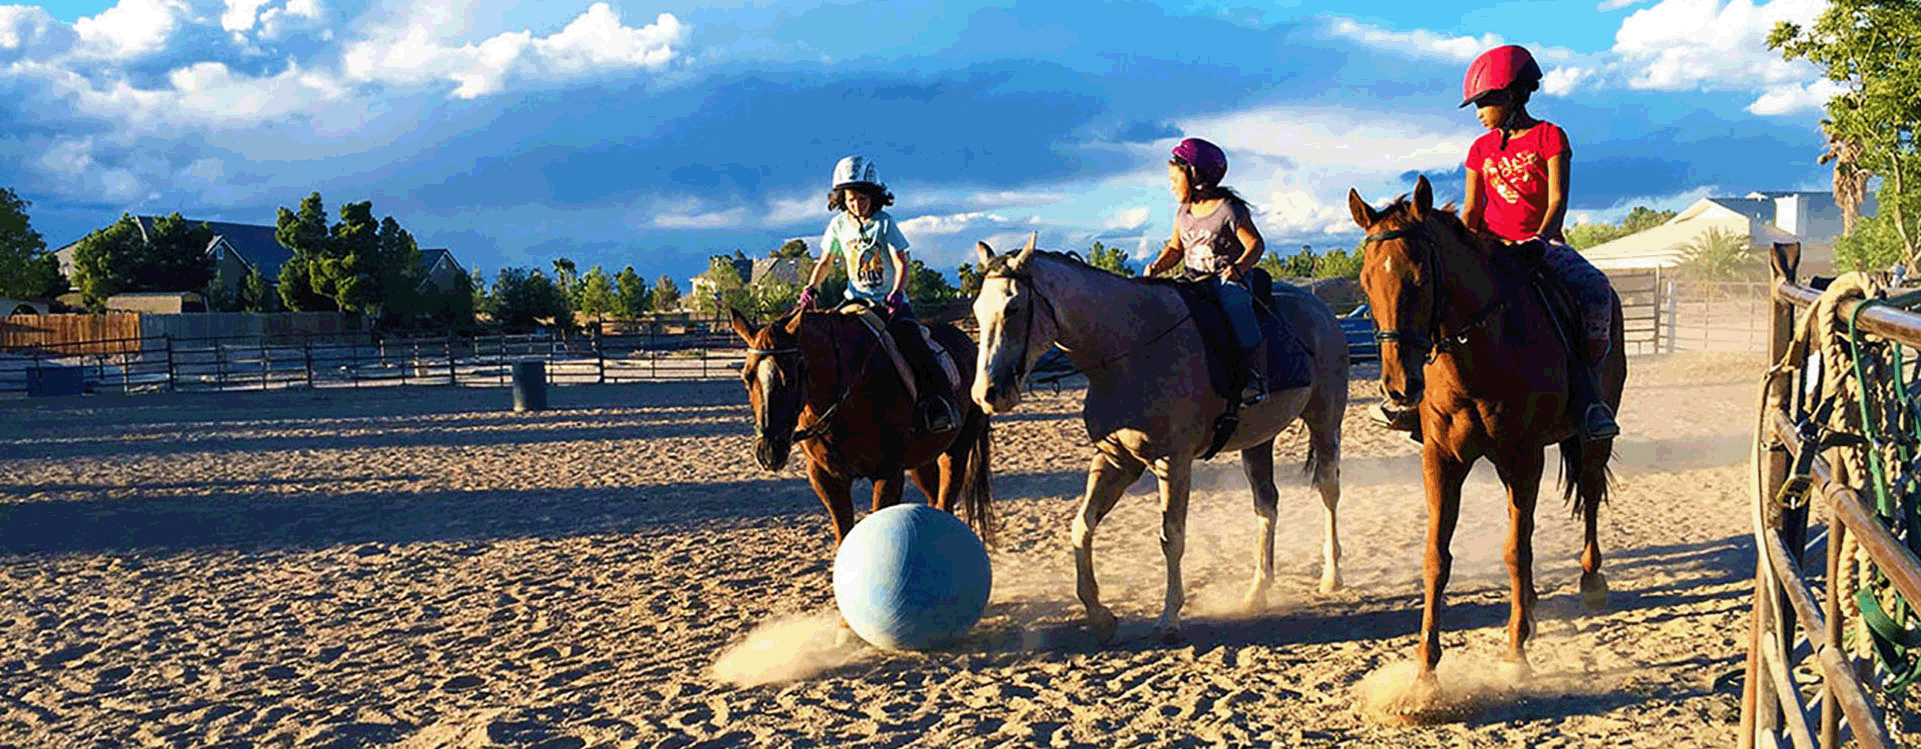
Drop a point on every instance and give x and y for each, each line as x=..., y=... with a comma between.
x=1811, y=218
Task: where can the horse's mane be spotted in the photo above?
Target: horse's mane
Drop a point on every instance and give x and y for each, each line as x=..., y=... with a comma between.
x=1448, y=218
x=1000, y=263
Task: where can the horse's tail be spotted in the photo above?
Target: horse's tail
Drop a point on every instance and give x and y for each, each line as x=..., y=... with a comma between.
x=1579, y=468
x=977, y=494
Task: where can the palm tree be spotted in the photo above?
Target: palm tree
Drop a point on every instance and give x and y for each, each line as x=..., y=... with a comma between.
x=1718, y=255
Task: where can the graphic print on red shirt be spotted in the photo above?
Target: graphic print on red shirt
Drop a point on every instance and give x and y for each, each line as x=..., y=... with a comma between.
x=1514, y=181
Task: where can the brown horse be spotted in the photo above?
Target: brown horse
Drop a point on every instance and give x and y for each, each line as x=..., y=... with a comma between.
x=822, y=380
x=1465, y=339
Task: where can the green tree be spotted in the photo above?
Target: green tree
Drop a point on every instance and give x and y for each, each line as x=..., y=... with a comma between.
x=1111, y=259
x=523, y=297
x=666, y=297
x=1718, y=255
x=1868, y=46
x=790, y=248
x=567, y=277
x=1338, y=264
x=357, y=265
x=970, y=280
x=926, y=285
x=1302, y=264
x=256, y=295
x=630, y=294
x=768, y=297
x=1642, y=218
x=1583, y=236
x=596, y=297
x=27, y=270
x=484, y=301
x=721, y=280
x=125, y=258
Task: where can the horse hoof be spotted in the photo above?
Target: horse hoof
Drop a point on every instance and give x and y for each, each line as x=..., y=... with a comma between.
x=1255, y=601
x=1103, y=624
x=1423, y=704
x=1169, y=635
x=1594, y=591
x=1330, y=584
x=1514, y=672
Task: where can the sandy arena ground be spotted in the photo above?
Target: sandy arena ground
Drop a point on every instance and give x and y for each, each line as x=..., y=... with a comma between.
x=423, y=567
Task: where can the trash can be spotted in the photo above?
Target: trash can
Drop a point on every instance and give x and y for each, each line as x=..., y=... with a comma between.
x=530, y=385
x=53, y=380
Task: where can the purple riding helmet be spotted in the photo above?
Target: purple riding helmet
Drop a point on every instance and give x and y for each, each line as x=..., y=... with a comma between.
x=1207, y=159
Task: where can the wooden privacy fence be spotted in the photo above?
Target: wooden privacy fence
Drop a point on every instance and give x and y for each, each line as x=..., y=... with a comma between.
x=1826, y=433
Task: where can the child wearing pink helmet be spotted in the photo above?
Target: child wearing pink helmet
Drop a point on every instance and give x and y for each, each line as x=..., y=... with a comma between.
x=1517, y=187
x=1214, y=238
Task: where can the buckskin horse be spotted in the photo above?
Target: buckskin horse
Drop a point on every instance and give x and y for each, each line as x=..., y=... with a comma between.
x=1150, y=404
x=1467, y=340
x=823, y=380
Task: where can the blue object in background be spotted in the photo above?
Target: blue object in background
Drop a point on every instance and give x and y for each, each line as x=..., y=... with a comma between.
x=911, y=577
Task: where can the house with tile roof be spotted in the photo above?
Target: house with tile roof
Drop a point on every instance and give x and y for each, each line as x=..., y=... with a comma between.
x=1764, y=217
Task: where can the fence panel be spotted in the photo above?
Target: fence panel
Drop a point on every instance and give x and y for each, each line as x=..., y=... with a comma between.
x=1791, y=461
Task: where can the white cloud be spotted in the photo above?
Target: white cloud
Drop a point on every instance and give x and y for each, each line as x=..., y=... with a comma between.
x=785, y=211
x=594, y=41
x=30, y=29
x=1611, y=5
x=1563, y=80
x=133, y=28
x=240, y=14
x=1127, y=220
x=953, y=223
x=1792, y=98
x=730, y=218
x=1681, y=45
x=1420, y=41
x=1007, y=198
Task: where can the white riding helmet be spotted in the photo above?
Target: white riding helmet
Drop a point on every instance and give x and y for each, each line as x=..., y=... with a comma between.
x=856, y=170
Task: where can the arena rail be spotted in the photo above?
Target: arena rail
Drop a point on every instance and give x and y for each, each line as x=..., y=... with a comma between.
x=1785, y=609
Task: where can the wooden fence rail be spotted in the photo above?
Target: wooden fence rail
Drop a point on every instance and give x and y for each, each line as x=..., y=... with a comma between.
x=1786, y=610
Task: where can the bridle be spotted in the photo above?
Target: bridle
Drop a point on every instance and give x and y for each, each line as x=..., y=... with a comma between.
x=1433, y=343
x=824, y=421
x=1020, y=365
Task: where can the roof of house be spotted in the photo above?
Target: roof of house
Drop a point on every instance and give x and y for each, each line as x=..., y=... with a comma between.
x=1666, y=245
x=258, y=247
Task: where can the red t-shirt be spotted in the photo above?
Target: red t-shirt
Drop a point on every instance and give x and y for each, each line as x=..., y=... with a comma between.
x=1514, y=179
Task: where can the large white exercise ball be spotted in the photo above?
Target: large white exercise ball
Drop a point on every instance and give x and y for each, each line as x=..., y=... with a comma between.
x=911, y=577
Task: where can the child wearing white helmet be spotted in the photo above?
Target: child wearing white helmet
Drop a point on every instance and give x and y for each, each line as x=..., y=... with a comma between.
x=871, y=245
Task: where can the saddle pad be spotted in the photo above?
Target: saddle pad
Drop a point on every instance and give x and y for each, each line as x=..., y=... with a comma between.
x=878, y=326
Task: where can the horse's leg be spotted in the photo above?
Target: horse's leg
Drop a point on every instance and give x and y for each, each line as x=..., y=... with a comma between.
x=1324, y=467
x=1521, y=471
x=837, y=494
x=1258, y=463
x=1589, y=493
x=887, y=491
x=1176, y=478
x=1107, y=477
x=932, y=480
x=1442, y=475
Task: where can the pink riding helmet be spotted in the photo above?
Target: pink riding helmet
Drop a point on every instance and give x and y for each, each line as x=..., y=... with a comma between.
x=1209, y=162
x=1497, y=69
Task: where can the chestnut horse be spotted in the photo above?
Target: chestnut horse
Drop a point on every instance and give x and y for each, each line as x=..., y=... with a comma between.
x=1466, y=340
x=822, y=380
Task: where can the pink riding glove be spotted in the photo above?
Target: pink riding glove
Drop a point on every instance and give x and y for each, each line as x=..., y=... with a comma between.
x=807, y=298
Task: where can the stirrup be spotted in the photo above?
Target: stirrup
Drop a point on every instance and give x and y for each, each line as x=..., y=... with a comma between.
x=937, y=416
x=1256, y=390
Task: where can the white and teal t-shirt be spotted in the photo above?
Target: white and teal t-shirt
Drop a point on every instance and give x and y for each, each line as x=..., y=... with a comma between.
x=870, y=274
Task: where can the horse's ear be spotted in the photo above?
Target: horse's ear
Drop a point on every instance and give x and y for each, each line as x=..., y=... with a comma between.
x=986, y=253
x=1364, y=215
x=742, y=327
x=1423, y=198
x=1026, y=253
x=792, y=323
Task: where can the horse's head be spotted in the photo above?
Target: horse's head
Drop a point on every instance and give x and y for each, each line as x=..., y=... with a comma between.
x=775, y=377
x=1398, y=274
x=1016, y=326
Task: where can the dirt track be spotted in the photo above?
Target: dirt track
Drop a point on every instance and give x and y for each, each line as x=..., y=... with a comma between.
x=423, y=568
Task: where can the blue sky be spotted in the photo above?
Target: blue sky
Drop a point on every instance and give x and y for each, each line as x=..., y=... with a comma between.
x=654, y=134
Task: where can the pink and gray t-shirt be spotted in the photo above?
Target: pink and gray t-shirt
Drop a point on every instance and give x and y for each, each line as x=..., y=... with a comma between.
x=1211, y=243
